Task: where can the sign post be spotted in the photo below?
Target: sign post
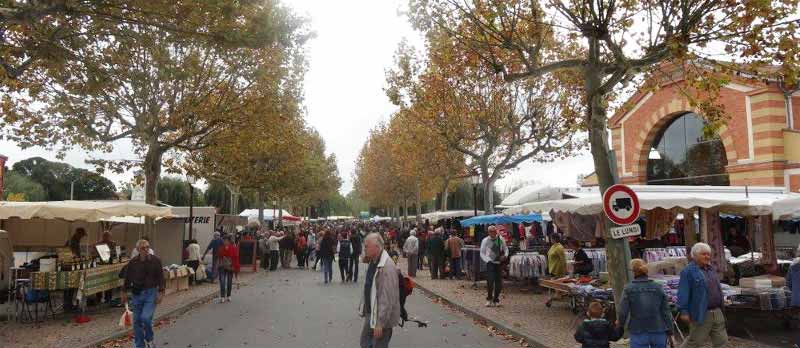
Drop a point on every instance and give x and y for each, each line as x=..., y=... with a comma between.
x=621, y=206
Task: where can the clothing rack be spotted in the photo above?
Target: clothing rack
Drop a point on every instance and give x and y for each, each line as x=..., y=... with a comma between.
x=527, y=265
x=658, y=254
x=598, y=256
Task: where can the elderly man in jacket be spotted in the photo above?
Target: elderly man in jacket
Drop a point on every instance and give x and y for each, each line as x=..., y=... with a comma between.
x=380, y=305
x=700, y=300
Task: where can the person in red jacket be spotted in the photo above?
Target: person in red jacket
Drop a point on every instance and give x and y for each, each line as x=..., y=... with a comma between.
x=228, y=264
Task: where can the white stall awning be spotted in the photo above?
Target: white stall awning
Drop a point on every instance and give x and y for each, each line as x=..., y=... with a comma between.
x=89, y=211
x=740, y=200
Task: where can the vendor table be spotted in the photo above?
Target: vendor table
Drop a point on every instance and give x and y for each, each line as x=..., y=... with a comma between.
x=558, y=291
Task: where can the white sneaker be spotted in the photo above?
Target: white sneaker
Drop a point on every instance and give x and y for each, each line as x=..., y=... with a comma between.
x=489, y=304
x=228, y=299
x=497, y=304
x=221, y=300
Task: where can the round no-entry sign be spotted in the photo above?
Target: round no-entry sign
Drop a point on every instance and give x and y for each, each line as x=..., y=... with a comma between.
x=621, y=204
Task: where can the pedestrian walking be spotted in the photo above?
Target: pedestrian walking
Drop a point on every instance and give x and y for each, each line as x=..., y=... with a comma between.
x=300, y=246
x=700, y=300
x=422, y=236
x=317, y=257
x=355, y=242
x=493, y=251
x=193, y=258
x=144, y=278
x=311, y=251
x=213, y=246
x=327, y=247
x=380, y=304
x=287, y=250
x=263, y=252
x=274, y=250
x=454, y=246
x=793, y=283
x=597, y=332
x=345, y=252
x=228, y=268
x=646, y=304
x=411, y=249
x=436, y=249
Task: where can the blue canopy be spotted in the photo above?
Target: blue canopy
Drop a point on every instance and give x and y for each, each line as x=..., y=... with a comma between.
x=500, y=219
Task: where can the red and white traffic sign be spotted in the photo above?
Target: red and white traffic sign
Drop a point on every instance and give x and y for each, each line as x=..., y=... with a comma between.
x=621, y=204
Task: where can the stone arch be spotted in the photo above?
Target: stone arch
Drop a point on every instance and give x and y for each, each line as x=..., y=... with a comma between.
x=656, y=122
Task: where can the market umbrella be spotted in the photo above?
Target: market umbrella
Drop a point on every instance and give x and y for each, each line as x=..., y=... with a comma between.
x=500, y=219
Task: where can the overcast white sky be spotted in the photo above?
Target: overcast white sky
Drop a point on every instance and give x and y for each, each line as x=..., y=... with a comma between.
x=355, y=42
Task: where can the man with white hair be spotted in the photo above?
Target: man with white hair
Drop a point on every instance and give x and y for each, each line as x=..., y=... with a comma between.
x=700, y=300
x=380, y=304
x=493, y=251
x=411, y=249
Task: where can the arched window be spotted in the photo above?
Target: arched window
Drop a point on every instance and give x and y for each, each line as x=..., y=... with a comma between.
x=682, y=155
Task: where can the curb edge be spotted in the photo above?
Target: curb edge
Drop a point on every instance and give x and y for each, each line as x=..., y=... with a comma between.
x=477, y=316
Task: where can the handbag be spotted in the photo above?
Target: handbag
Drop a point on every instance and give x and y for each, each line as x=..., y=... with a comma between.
x=226, y=264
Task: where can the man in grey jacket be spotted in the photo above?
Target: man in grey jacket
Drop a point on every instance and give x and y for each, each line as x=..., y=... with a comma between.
x=380, y=304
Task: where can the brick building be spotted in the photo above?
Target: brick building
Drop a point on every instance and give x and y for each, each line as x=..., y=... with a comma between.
x=659, y=139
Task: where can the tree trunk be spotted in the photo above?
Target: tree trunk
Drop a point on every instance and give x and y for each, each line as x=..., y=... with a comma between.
x=280, y=212
x=152, y=172
x=445, y=193
x=617, y=250
x=234, y=198
x=260, y=207
x=405, y=213
x=419, y=204
x=488, y=194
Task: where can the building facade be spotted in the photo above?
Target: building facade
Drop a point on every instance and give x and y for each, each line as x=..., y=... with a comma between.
x=661, y=139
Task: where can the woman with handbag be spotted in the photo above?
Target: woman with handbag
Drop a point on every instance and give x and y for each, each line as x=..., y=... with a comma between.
x=228, y=263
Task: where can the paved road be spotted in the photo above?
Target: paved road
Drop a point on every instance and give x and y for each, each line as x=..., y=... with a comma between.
x=293, y=309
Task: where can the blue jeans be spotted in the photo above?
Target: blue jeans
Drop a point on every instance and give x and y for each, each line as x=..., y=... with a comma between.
x=649, y=340
x=327, y=269
x=225, y=283
x=143, y=308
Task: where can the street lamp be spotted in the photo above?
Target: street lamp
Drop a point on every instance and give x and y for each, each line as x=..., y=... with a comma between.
x=191, y=180
x=475, y=179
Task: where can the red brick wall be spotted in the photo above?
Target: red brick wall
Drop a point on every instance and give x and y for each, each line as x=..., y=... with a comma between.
x=662, y=107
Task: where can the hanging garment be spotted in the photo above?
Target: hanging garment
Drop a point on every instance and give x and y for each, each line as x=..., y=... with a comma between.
x=659, y=222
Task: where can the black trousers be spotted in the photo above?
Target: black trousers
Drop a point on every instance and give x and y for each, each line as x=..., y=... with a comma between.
x=264, y=260
x=344, y=269
x=494, y=282
x=437, y=266
x=193, y=265
x=354, y=267
x=274, y=255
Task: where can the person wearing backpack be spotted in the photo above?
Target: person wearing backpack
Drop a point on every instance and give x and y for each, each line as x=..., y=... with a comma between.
x=380, y=304
x=345, y=251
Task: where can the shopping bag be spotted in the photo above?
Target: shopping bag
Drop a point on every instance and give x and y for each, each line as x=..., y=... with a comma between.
x=200, y=274
x=127, y=318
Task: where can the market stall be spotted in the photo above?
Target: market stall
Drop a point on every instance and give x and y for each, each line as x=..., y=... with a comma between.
x=673, y=219
x=45, y=226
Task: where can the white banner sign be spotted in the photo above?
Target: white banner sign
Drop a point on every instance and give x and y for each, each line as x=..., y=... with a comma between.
x=625, y=231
